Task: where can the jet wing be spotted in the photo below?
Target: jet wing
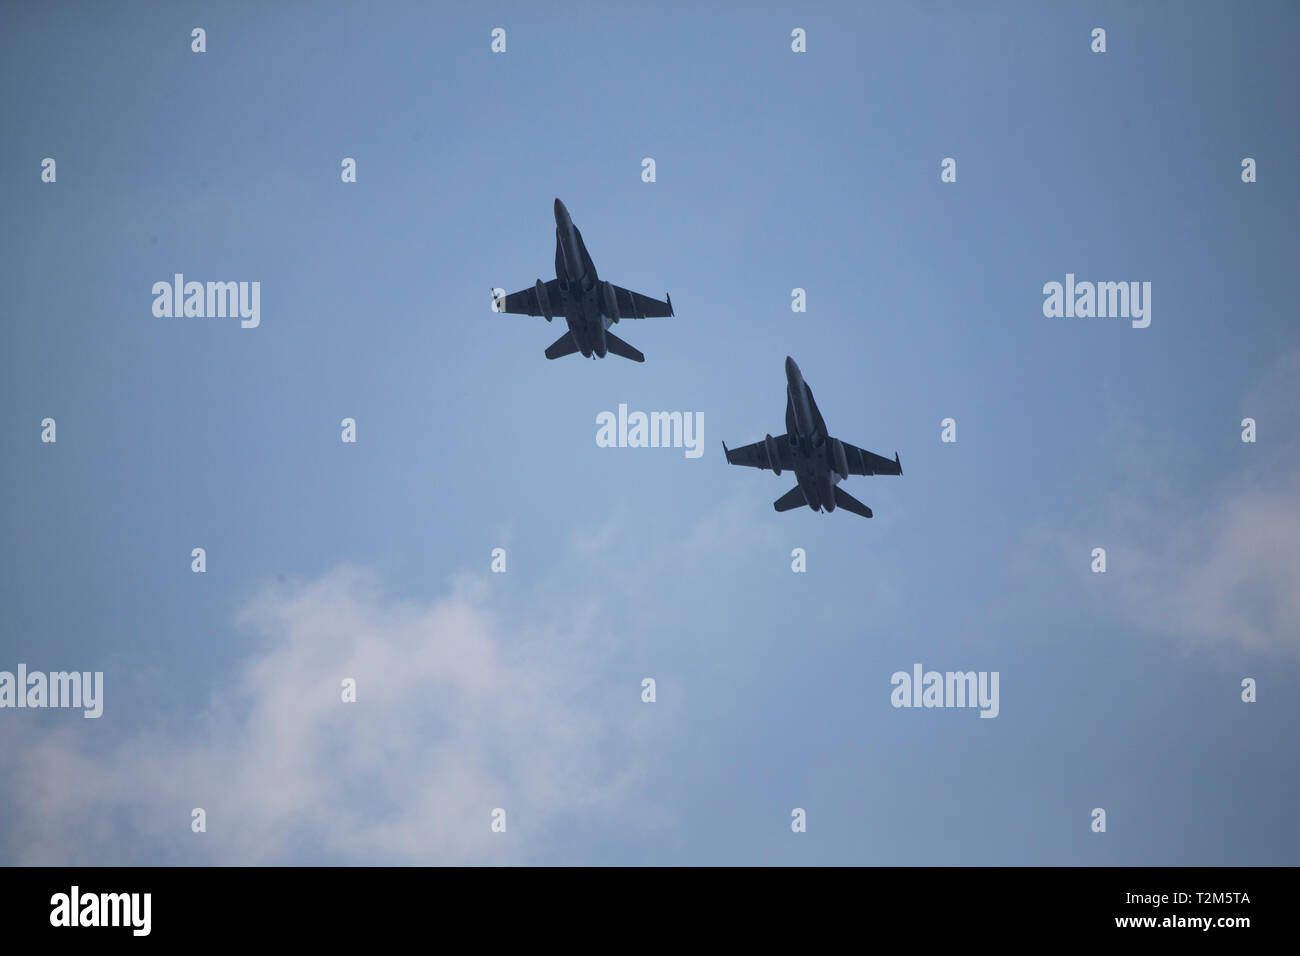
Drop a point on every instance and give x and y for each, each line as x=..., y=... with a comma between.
x=634, y=305
x=863, y=462
x=755, y=455
x=525, y=301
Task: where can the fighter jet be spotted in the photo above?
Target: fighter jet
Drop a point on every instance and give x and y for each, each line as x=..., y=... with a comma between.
x=819, y=462
x=582, y=299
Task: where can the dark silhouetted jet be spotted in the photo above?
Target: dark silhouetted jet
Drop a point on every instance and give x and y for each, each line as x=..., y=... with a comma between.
x=819, y=462
x=582, y=299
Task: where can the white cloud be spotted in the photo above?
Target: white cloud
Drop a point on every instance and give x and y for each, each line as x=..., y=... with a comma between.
x=459, y=711
x=1222, y=568
x=1210, y=561
x=1224, y=577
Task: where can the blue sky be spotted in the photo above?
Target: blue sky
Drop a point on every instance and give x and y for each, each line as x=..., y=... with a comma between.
x=521, y=690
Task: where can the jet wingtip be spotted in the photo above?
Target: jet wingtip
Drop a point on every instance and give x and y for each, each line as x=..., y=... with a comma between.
x=898, y=463
x=670, y=304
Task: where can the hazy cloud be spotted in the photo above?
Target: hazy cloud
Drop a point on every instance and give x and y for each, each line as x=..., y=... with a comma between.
x=459, y=711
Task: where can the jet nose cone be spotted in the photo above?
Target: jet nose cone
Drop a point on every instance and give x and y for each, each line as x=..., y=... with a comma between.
x=560, y=211
x=790, y=367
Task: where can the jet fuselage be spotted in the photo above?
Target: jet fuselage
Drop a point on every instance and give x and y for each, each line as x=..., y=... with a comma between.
x=814, y=464
x=581, y=290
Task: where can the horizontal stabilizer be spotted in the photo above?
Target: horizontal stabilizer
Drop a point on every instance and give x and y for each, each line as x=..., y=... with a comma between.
x=617, y=346
x=846, y=501
x=790, y=500
x=564, y=345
